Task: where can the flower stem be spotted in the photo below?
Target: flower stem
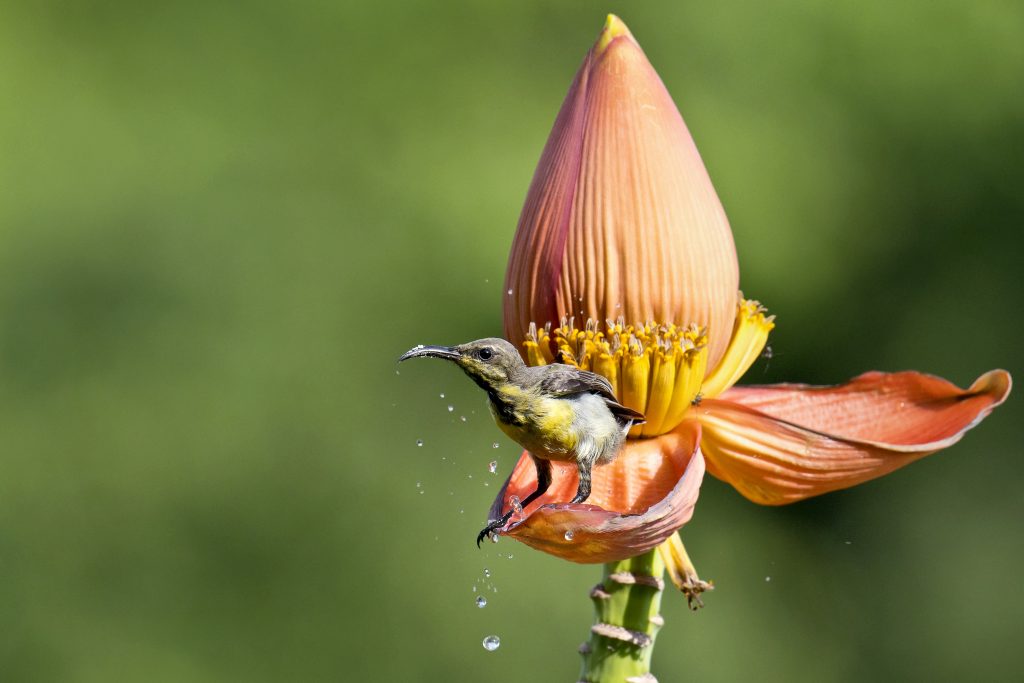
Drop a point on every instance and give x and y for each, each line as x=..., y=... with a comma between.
x=626, y=603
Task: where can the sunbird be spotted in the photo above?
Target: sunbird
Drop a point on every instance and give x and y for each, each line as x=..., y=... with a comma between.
x=555, y=412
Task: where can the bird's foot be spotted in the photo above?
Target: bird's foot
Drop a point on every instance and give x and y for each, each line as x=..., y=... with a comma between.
x=490, y=528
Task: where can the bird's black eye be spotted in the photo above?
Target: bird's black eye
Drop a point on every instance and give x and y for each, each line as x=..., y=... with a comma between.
x=484, y=353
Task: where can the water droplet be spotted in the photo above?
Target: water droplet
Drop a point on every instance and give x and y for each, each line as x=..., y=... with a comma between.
x=419, y=484
x=492, y=643
x=509, y=292
x=569, y=535
x=516, y=505
x=495, y=445
x=494, y=538
x=487, y=573
x=481, y=601
x=847, y=542
x=462, y=417
x=492, y=467
x=767, y=578
x=442, y=394
x=419, y=442
x=451, y=409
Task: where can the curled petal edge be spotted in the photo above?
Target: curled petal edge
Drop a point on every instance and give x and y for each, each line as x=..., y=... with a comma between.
x=784, y=443
x=657, y=481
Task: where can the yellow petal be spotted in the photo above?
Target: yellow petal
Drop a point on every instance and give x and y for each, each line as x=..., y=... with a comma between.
x=750, y=334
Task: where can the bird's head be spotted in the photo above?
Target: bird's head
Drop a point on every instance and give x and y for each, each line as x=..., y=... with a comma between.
x=489, y=362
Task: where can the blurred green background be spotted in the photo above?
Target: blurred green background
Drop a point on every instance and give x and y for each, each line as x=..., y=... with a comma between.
x=220, y=223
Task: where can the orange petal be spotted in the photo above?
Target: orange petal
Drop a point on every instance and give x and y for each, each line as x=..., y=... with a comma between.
x=637, y=501
x=783, y=443
x=621, y=218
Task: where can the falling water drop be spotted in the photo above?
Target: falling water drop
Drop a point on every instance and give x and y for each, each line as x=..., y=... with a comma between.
x=492, y=467
x=451, y=409
x=487, y=573
x=481, y=601
x=491, y=643
x=495, y=445
x=419, y=442
x=442, y=394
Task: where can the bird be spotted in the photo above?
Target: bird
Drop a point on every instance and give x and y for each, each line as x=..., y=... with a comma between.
x=555, y=411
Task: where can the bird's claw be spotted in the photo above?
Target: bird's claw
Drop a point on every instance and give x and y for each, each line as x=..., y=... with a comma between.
x=491, y=527
x=485, y=533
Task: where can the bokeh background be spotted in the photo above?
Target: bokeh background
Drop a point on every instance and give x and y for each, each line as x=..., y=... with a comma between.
x=220, y=223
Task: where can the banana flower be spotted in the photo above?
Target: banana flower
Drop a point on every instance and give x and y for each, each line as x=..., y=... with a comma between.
x=623, y=263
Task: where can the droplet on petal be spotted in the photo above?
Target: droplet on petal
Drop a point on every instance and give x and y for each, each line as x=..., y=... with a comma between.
x=569, y=535
x=516, y=505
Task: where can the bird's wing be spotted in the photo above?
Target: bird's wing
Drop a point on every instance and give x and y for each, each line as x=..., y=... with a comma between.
x=563, y=380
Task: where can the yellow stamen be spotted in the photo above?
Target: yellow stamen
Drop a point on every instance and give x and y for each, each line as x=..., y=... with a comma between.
x=654, y=369
x=749, y=335
x=636, y=371
x=663, y=381
x=689, y=377
x=607, y=365
x=536, y=347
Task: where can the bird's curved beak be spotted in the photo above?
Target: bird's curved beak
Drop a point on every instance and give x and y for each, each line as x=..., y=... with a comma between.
x=421, y=351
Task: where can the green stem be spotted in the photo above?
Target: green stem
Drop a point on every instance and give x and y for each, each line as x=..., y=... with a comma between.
x=626, y=603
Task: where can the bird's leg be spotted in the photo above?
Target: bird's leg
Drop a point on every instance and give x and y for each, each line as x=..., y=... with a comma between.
x=543, y=468
x=583, y=490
